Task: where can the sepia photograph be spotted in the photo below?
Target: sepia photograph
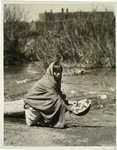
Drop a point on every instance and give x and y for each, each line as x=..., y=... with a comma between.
x=59, y=74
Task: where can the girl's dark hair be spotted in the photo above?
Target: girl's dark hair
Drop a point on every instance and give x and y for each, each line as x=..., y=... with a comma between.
x=57, y=67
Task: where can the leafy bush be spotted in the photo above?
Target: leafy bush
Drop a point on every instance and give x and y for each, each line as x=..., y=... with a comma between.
x=15, y=34
x=88, y=41
x=14, y=41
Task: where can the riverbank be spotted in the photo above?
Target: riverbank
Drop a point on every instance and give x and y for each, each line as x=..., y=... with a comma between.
x=97, y=128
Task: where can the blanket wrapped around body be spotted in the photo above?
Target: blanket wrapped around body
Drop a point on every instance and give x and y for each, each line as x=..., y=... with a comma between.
x=46, y=96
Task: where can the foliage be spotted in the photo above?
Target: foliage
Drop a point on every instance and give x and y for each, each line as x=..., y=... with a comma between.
x=88, y=41
x=15, y=31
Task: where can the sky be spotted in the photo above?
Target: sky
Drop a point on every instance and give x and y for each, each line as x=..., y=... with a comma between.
x=36, y=7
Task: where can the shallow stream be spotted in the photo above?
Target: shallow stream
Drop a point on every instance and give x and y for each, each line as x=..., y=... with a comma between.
x=95, y=82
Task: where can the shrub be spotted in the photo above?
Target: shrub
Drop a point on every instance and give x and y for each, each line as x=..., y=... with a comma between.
x=88, y=40
x=15, y=34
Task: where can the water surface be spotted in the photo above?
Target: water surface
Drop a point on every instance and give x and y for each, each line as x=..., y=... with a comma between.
x=19, y=79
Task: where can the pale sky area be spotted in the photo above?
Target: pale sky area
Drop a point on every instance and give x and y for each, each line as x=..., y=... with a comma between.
x=40, y=7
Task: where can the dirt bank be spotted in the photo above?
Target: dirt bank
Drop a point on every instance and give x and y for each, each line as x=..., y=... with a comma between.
x=94, y=129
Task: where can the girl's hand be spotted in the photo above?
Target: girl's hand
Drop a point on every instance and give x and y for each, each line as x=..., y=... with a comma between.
x=72, y=102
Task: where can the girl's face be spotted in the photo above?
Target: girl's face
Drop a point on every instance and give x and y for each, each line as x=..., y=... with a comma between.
x=57, y=75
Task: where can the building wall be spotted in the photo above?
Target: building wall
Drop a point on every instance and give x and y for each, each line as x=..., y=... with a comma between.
x=49, y=16
x=56, y=21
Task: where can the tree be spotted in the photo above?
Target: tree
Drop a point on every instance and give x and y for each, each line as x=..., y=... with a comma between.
x=15, y=33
